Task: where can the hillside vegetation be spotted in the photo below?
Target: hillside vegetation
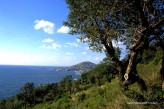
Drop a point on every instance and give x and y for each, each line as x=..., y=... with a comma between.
x=96, y=89
x=107, y=94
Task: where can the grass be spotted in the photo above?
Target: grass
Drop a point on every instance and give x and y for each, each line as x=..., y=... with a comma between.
x=149, y=72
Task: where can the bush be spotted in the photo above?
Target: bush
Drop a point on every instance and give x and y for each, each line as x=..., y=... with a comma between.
x=63, y=103
x=48, y=97
x=81, y=96
x=156, y=94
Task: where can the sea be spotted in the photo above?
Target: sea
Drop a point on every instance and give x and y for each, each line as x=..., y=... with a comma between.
x=13, y=77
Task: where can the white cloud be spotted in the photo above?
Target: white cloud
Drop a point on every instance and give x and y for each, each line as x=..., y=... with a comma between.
x=69, y=53
x=48, y=40
x=63, y=29
x=84, y=53
x=47, y=26
x=72, y=44
x=55, y=45
x=52, y=46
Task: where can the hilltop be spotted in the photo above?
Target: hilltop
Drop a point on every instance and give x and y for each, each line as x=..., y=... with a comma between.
x=80, y=67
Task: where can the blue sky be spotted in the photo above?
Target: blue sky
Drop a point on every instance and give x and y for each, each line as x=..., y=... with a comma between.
x=31, y=33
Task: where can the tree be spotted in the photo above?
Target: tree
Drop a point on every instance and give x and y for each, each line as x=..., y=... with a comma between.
x=105, y=23
x=46, y=92
x=76, y=85
x=27, y=88
x=26, y=94
x=66, y=83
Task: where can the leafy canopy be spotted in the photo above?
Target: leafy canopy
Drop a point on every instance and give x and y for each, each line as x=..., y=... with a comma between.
x=103, y=22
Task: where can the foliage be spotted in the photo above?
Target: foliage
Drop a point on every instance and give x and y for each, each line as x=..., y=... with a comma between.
x=100, y=74
x=75, y=85
x=106, y=24
x=153, y=55
x=81, y=96
x=26, y=94
x=101, y=22
x=66, y=83
x=63, y=103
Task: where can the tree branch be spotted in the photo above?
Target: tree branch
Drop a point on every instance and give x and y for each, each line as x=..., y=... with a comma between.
x=145, y=23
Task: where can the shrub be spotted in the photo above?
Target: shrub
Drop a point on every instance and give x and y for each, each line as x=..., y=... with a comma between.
x=81, y=96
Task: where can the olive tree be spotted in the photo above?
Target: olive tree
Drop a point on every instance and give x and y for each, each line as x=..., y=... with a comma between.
x=105, y=23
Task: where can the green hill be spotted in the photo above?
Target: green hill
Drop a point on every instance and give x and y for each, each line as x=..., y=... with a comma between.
x=81, y=67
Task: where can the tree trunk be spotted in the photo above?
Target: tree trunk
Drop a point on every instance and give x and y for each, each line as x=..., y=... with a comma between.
x=120, y=67
x=131, y=76
x=127, y=70
x=121, y=71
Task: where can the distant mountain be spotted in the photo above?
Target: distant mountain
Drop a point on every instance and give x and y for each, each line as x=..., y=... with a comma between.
x=81, y=67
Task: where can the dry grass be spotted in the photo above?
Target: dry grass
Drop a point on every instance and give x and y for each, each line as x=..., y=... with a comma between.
x=150, y=73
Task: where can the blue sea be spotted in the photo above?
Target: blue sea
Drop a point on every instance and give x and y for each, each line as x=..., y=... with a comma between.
x=13, y=77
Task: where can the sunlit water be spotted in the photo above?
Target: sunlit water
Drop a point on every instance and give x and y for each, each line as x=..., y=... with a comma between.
x=12, y=78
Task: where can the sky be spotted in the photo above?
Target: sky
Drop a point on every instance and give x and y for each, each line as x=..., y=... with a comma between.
x=32, y=33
